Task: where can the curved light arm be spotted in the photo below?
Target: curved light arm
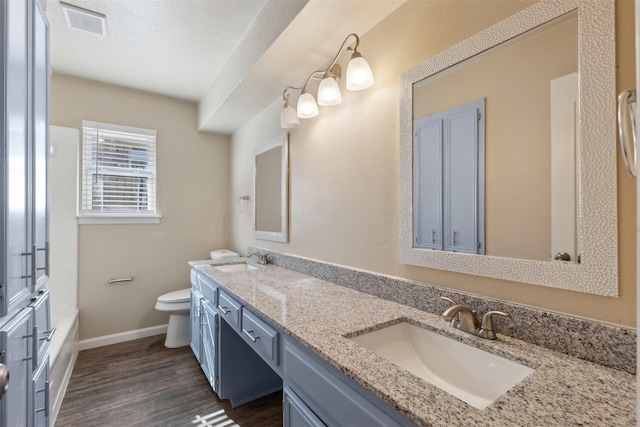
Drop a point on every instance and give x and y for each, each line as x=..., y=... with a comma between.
x=323, y=71
x=306, y=82
x=349, y=49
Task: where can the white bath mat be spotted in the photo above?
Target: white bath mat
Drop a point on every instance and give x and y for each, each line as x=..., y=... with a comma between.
x=214, y=419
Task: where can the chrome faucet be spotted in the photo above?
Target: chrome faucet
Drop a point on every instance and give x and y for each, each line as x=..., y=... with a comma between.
x=465, y=319
x=262, y=259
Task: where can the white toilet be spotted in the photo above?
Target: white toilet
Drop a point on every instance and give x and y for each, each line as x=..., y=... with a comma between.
x=177, y=304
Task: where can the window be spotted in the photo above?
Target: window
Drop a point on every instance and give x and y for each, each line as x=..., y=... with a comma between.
x=119, y=173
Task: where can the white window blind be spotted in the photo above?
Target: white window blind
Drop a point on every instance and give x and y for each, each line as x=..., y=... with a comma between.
x=119, y=170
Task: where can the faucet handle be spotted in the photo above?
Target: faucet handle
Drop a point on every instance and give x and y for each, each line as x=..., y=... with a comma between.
x=450, y=300
x=455, y=318
x=486, y=330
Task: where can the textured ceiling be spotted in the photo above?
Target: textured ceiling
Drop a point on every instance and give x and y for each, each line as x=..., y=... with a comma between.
x=233, y=57
x=171, y=47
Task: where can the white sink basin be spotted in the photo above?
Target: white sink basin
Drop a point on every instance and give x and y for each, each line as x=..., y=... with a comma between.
x=235, y=267
x=472, y=375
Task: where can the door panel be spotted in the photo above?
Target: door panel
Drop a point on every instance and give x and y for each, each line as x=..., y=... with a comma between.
x=462, y=184
x=16, y=339
x=16, y=249
x=209, y=351
x=428, y=177
x=40, y=145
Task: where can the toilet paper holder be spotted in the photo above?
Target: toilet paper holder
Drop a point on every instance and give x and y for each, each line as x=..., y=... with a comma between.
x=124, y=279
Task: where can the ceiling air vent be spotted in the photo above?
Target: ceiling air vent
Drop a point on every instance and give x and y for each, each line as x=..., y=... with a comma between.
x=84, y=20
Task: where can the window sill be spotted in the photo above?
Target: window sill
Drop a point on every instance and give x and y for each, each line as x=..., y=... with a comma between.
x=119, y=219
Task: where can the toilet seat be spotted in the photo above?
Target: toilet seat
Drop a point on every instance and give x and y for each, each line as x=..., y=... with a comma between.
x=182, y=295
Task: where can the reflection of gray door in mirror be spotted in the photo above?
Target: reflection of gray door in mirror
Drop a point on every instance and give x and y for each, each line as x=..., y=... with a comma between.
x=449, y=179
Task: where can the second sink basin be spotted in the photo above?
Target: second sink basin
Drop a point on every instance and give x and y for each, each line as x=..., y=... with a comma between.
x=474, y=376
x=235, y=267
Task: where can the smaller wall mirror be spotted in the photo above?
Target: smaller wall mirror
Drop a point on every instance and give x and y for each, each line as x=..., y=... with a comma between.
x=271, y=191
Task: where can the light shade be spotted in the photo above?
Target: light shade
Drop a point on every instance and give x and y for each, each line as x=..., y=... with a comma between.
x=307, y=107
x=289, y=117
x=359, y=74
x=329, y=92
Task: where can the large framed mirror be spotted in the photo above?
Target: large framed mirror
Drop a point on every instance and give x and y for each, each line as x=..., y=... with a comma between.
x=271, y=191
x=545, y=221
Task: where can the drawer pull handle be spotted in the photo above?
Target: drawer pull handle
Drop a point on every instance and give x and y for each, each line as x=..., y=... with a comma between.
x=224, y=310
x=250, y=335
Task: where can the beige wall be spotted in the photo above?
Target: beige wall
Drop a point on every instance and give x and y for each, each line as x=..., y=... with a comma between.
x=344, y=165
x=193, y=195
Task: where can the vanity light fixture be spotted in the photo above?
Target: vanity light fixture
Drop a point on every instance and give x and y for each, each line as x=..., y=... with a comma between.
x=307, y=107
x=359, y=77
x=329, y=91
x=288, y=118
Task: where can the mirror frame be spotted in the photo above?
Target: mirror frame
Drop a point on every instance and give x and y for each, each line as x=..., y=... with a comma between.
x=281, y=141
x=597, y=272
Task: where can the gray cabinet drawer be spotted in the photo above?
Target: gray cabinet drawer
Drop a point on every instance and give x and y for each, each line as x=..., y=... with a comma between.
x=261, y=337
x=209, y=289
x=332, y=396
x=296, y=413
x=229, y=310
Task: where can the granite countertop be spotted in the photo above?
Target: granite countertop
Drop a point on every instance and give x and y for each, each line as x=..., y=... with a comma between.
x=561, y=391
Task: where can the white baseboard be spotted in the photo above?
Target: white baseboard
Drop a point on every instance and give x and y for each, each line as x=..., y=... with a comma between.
x=121, y=337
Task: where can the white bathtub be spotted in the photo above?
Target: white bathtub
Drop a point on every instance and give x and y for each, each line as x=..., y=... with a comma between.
x=64, y=352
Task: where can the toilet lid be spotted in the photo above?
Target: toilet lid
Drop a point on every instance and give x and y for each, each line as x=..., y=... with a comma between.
x=182, y=295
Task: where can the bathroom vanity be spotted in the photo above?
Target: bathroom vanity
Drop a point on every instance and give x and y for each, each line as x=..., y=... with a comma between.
x=245, y=356
x=234, y=371
x=301, y=329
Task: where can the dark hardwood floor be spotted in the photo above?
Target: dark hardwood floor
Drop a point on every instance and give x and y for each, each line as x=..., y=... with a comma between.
x=144, y=384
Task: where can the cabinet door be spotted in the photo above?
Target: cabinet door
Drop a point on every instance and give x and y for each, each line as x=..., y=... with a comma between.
x=196, y=331
x=15, y=252
x=209, y=350
x=461, y=178
x=296, y=413
x=40, y=141
x=40, y=395
x=42, y=332
x=448, y=178
x=15, y=339
x=428, y=183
